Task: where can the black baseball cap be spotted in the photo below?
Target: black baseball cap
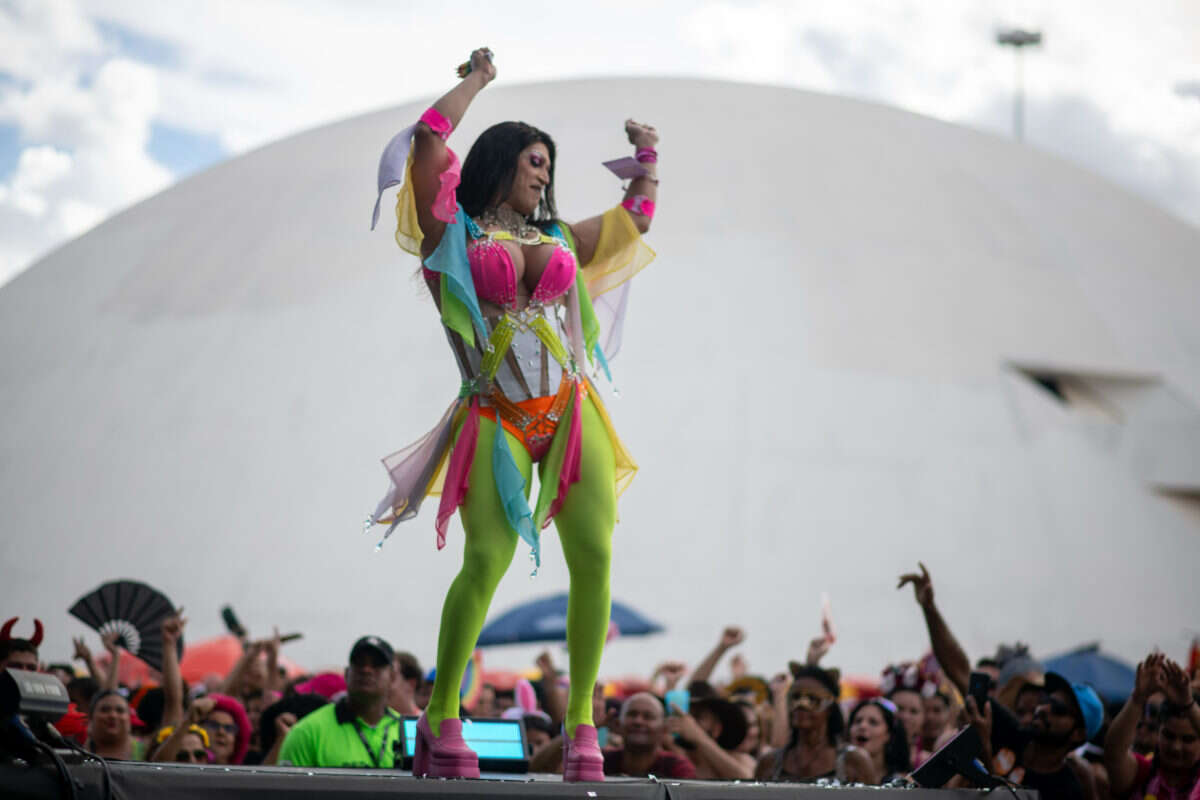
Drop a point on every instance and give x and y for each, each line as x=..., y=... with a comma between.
x=376, y=645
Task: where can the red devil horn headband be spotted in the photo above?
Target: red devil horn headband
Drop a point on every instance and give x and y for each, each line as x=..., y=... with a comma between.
x=6, y=631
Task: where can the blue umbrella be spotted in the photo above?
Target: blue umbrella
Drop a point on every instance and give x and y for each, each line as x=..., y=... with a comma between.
x=1110, y=677
x=545, y=620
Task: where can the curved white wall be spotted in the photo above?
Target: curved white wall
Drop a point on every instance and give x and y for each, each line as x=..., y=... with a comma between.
x=817, y=380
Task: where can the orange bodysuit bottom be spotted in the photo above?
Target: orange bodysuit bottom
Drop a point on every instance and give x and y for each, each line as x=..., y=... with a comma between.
x=532, y=421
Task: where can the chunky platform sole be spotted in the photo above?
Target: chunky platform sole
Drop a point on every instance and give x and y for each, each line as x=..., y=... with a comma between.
x=445, y=756
x=582, y=759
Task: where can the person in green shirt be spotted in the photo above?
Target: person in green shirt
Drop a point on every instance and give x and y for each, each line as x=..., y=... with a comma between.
x=357, y=731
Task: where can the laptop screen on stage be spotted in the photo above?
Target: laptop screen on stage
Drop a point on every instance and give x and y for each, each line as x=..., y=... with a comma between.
x=492, y=739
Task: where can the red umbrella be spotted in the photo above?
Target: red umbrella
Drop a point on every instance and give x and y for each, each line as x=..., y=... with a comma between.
x=131, y=670
x=217, y=656
x=202, y=659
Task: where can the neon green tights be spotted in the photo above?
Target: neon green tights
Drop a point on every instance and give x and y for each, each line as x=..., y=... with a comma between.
x=585, y=525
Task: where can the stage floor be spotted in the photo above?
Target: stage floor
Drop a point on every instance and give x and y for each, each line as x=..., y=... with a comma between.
x=139, y=781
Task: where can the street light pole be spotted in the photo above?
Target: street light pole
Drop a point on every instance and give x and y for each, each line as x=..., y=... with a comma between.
x=1019, y=39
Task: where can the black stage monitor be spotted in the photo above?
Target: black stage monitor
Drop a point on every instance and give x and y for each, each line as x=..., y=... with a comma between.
x=32, y=694
x=500, y=743
x=959, y=756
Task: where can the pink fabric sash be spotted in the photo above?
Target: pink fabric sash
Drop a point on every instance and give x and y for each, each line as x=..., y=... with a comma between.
x=572, y=458
x=446, y=204
x=458, y=472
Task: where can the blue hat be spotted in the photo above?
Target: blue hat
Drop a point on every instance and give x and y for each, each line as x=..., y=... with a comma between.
x=1087, y=702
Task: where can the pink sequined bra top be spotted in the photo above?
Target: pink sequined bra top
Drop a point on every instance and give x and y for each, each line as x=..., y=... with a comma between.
x=495, y=275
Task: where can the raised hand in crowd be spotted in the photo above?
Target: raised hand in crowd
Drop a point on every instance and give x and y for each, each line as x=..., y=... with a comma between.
x=670, y=672
x=257, y=669
x=172, y=631
x=731, y=637
x=780, y=731
x=111, y=642
x=271, y=648
x=84, y=653
x=817, y=649
x=699, y=740
x=981, y=721
x=1175, y=685
x=283, y=724
x=199, y=711
x=1119, y=759
x=554, y=697
x=949, y=653
x=922, y=585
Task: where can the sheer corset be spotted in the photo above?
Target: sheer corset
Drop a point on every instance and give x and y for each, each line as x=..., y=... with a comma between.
x=528, y=369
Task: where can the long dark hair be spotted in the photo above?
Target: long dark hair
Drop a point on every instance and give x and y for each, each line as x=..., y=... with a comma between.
x=488, y=172
x=897, y=758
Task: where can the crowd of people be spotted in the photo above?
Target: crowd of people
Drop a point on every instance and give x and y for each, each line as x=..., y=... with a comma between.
x=1035, y=728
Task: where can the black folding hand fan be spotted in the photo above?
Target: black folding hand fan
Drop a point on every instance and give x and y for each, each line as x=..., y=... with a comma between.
x=135, y=611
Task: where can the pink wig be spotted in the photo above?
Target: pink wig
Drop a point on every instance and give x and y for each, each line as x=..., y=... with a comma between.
x=233, y=708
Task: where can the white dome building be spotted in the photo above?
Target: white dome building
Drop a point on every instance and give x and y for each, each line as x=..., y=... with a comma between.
x=831, y=371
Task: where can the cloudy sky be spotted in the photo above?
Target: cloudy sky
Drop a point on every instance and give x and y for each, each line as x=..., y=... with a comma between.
x=105, y=103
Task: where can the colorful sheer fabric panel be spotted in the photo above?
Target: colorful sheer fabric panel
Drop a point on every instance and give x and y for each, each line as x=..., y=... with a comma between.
x=396, y=160
x=620, y=254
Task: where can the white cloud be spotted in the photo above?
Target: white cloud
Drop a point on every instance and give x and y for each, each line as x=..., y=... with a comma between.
x=250, y=73
x=38, y=169
x=88, y=156
x=1118, y=65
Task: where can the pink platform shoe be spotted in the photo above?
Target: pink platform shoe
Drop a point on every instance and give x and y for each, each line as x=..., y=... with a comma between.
x=582, y=759
x=445, y=756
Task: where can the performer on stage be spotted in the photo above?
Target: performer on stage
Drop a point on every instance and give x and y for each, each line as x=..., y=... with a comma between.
x=529, y=304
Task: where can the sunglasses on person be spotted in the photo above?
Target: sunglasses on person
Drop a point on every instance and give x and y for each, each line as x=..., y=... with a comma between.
x=212, y=726
x=1057, y=707
x=810, y=701
x=192, y=756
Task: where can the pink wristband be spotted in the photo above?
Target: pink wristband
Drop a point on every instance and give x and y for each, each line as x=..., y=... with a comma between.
x=437, y=123
x=646, y=155
x=639, y=204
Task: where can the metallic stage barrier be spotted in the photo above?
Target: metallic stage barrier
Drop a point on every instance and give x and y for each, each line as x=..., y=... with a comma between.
x=141, y=781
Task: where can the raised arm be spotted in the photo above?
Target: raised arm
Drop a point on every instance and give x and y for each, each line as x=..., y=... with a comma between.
x=780, y=728
x=172, y=629
x=272, y=647
x=430, y=157
x=639, y=198
x=946, y=649
x=553, y=698
x=730, y=637
x=232, y=685
x=84, y=653
x=170, y=746
x=1176, y=686
x=1118, y=742
x=109, y=641
x=728, y=766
